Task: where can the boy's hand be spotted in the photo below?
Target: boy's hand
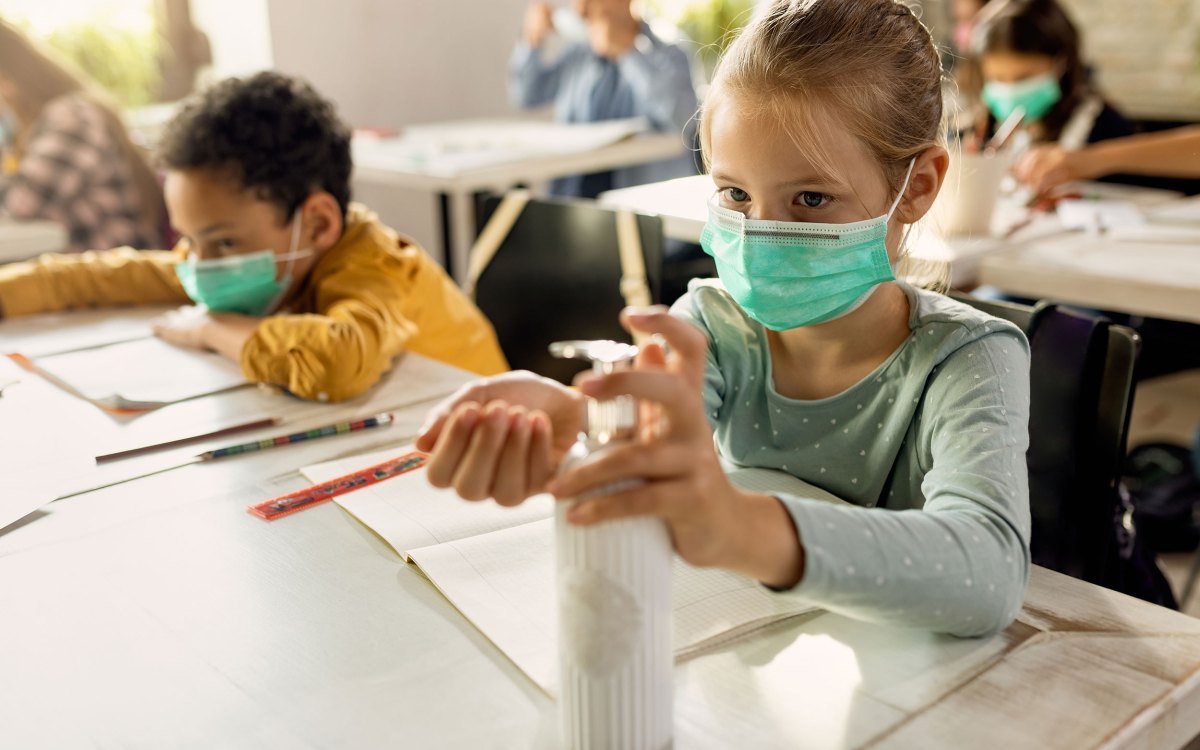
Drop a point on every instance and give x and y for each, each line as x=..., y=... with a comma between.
x=538, y=23
x=197, y=328
x=183, y=327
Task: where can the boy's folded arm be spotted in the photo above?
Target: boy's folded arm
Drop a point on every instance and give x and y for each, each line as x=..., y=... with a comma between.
x=326, y=357
x=113, y=277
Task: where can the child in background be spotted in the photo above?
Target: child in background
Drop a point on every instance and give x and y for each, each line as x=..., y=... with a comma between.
x=1029, y=55
x=613, y=66
x=303, y=288
x=67, y=155
x=821, y=130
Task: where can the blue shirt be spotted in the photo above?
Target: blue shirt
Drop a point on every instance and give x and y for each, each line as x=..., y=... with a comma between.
x=929, y=450
x=652, y=80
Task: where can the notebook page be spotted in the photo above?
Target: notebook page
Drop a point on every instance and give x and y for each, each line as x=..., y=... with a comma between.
x=408, y=513
x=58, y=333
x=503, y=583
x=143, y=373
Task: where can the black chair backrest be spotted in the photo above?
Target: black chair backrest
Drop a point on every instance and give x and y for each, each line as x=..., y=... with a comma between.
x=557, y=276
x=1081, y=397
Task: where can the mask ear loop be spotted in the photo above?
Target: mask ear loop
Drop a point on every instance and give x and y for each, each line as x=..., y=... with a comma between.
x=903, y=189
x=292, y=254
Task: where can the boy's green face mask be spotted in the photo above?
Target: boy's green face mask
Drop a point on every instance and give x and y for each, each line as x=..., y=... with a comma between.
x=787, y=274
x=243, y=284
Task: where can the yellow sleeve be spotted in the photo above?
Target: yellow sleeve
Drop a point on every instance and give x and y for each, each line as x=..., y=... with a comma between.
x=93, y=279
x=344, y=348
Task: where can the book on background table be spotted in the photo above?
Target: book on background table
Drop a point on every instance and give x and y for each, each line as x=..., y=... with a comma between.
x=496, y=564
x=138, y=375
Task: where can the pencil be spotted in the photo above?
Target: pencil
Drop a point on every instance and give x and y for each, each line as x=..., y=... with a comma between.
x=341, y=428
x=233, y=429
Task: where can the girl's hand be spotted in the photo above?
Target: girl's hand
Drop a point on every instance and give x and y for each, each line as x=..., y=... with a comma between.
x=710, y=521
x=1044, y=168
x=501, y=437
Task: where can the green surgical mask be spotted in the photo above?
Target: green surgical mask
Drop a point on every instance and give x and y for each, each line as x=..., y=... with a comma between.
x=243, y=284
x=1037, y=95
x=787, y=274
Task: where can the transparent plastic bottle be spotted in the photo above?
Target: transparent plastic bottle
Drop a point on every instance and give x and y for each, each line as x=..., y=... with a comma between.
x=614, y=596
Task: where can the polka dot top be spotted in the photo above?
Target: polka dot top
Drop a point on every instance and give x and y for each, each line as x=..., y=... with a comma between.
x=929, y=450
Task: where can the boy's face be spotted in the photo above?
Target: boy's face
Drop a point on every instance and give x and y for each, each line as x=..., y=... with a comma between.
x=217, y=218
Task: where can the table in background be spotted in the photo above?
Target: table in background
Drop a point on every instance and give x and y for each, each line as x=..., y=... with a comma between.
x=1118, y=271
x=159, y=613
x=478, y=159
x=20, y=240
x=683, y=206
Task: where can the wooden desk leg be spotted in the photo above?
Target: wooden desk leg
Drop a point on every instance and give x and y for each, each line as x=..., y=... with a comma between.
x=461, y=225
x=1190, y=586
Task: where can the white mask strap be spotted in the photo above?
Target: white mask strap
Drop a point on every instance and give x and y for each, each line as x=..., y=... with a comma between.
x=903, y=187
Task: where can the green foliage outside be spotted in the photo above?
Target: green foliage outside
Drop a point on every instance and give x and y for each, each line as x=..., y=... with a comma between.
x=711, y=24
x=123, y=61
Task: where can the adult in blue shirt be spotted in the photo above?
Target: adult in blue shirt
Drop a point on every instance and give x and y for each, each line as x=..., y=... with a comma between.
x=612, y=67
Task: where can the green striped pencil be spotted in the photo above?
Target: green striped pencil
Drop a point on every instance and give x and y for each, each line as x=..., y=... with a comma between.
x=341, y=428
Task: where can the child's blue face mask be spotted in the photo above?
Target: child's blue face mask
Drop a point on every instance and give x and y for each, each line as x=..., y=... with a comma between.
x=787, y=274
x=243, y=284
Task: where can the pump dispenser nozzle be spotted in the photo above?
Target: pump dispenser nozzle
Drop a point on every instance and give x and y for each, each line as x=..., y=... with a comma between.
x=608, y=419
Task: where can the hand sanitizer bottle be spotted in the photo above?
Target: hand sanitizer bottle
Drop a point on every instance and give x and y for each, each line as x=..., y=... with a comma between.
x=614, y=596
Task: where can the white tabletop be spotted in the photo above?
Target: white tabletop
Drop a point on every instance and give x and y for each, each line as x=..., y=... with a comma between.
x=20, y=240
x=158, y=613
x=461, y=158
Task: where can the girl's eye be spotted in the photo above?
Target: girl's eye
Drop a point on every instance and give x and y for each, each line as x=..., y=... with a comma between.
x=226, y=244
x=809, y=199
x=736, y=195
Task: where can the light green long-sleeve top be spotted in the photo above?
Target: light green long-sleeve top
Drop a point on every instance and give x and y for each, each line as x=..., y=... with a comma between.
x=929, y=449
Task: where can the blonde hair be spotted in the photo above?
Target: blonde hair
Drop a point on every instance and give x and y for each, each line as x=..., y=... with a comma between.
x=869, y=66
x=40, y=76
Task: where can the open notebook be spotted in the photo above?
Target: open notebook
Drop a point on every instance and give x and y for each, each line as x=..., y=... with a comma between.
x=137, y=375
x=496, y=565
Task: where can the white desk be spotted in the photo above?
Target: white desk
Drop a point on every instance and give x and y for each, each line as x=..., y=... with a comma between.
x=682, y=204
x=160, y=614
x=498, y=166
x=20, y=240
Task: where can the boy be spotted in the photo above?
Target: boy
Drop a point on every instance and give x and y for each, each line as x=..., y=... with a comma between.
x=304, y=289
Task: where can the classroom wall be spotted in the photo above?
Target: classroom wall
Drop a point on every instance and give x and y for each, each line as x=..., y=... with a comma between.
x=393, y=63
x=1147, y=53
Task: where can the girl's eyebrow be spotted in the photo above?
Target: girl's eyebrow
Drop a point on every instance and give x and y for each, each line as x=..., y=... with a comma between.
x=808, y=181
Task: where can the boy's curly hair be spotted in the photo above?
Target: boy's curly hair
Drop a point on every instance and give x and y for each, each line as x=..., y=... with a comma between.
x=272, y=133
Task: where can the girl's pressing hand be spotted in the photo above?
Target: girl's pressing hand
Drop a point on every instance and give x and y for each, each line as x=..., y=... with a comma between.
x=710, y=521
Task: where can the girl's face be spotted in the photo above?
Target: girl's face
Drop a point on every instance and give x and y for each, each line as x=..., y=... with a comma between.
x=1012, y=67
x=762, y=173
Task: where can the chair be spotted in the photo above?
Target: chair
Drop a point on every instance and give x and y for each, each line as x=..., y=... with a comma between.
x=1081, y=398
x=557, y=276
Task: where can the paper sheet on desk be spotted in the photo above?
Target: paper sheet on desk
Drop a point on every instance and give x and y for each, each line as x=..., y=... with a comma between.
x=58, y=333
x=141, y=374
x=453, y=148
x=496, y=565
x=33, y=468
x=1098, y=215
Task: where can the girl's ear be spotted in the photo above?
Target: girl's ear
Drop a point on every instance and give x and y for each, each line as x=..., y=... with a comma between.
x=322, y=216
x=928, y=174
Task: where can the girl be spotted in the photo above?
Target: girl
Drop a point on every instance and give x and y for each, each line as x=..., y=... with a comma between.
x=1029, y=54
x=68, y=157
x=807, y=356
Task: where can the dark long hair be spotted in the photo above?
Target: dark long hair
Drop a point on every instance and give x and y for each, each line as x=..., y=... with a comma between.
x=1039, y=27
x=40, y=77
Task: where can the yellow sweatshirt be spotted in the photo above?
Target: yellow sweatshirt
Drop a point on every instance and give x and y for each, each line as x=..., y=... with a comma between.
x=370, y=297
